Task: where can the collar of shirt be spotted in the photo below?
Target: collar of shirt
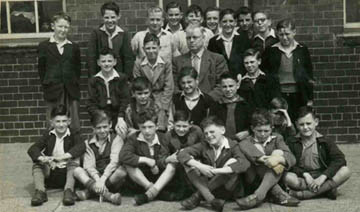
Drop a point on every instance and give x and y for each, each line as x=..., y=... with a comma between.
x=158, y=61
x=94, y=140
x=59, y=44
x=271, y=34
x=112, y=76
x=154, y=142
x=192, y=99
x=116, y=31
x=224, y=145
x=199, y=54
x=221, y=36
x=270, y=138
x=167, y=28
x=162, y=32
x=224, y=100
x=255, y=77
x=67, y=133
x=288, y=52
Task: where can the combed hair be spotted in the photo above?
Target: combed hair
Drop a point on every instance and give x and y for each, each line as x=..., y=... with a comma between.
x=227, y=11
x=278, y=103
x=59, y=110
x=194, y=8
x=148, y=114
x=187, y=71
x=304, y=111
x=266, y=13
x=140, y=84
x=243, y=11
x=228, y=75
x=211, y=120
x=261, y=117
x=110, y=6
x=286, y=23
x=99, y=116
x=252, y=52
x=182, y=115
x=155, y=9
x=173, y=5
x=107, y=51
x=149, y=37
x=61, y=15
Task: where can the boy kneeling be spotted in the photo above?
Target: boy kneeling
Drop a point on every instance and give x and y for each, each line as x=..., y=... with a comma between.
x=140, y=156
x=55, y=157
x=101, y=172
x=220, y=162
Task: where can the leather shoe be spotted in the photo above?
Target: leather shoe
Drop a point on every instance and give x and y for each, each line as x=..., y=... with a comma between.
x=192, y=202
x=141, y=199
x=248, y=202
x=38, y=198
x=68, y=198
x=217, y=204
x=332, y=194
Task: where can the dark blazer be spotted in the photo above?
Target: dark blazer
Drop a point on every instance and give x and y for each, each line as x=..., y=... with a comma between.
x=73, y=144
x=121, y=46
x=302, y=67
x=133, y=149
x=119, y=94
x=260, y=94
x=59, y=72
x=242, y=114
x=211, y=67
x=240, y=44
x=174, y=143
x=205, y=153
x=330, y=156
x=261, y=45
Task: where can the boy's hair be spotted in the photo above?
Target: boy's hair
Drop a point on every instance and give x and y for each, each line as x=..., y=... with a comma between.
x=148, y=114
x=182, y=115
x=279, y=103
x=140, y=84
x=149, y=37
x=261, y=117
x=106, y=51
x=228, y=75
x=304, y=111
x=99, y=116
x=211, y=9
x=212, y=120
x=110, y=6
x=243, y=11
x=173, y=5
x=187, y=71
x=286, y=23
x=61, y=15
x=252, y=52
x=196, y=9
x=155, y=9
x=227, y=11
x=266, y=13
x=59, y=110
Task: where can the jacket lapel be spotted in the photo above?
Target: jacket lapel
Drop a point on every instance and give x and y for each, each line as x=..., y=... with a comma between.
x=53, y=50
x=204, y=65
x=211, y=155
x=51, y=144
x=220, y=44
x=147, y=72
x=157, y=72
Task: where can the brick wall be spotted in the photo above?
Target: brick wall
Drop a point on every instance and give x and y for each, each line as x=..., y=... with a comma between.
x=336, y=66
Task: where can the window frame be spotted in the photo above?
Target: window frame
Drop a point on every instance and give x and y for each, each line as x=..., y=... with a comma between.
x=25, y=39
x=161, y=3
x=354, y=25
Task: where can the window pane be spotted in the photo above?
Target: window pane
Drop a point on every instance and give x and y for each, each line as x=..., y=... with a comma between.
x=3, y=19
x=22, y=17
x=46, y=11
x=204, y=4
x=352, y=11
x=233, y=4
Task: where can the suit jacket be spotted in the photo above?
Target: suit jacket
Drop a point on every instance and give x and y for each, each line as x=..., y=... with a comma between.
x=73, y=144
x=211, y=67
x=59, y=72
x=121, y=45
x=240, y=44
x=205, y=153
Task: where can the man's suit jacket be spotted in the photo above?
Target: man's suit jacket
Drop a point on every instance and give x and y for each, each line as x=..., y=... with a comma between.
x=59, y=72
x=211, y=67
x=240, y=44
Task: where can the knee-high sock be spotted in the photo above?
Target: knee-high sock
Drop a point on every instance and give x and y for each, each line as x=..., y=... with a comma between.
x=201, y=183
x=38, y=177
x=269, y=180
x=70, y=180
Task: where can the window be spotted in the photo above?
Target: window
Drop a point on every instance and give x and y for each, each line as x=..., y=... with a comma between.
x=24, y=21
x=207, y=3
x=351, y=14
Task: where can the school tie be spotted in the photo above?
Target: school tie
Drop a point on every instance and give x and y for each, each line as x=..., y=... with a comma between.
x=195, y=62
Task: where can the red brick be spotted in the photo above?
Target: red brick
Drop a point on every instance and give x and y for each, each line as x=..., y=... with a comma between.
x=28, y=118
x=9, y=133
x=4, y=140
x=19, y=111
x=29, y=132
x=18, y=139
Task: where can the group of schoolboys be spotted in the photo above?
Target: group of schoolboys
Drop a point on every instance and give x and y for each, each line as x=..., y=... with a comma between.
x=146, y=120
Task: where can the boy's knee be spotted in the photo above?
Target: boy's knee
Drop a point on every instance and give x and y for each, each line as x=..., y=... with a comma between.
x=120, y=172
x=344, y=172
x=78, y=171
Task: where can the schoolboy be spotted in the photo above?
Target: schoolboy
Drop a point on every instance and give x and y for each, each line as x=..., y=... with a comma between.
x=108, y=91
x=191, y=98
x=264, y=35
x=157, y=70
x=290, y=62
x=212, y=164
x=59, y=69
x=212, y=18
x=257, y=87
x=183, y=134
x=174, y=17
x=320, y=165
x=193, y=16
x=142, y=99
x=55, y=156
x=110, y=35
x=245, y=21
x=231, y=108
x=140, y=156
x=101, y=173
x=155, y=20
x=269, y=157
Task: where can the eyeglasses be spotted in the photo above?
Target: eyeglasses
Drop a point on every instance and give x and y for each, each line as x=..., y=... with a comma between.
x=260, y=20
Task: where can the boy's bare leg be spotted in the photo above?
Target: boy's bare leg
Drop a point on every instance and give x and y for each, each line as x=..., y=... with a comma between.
x=138, y=177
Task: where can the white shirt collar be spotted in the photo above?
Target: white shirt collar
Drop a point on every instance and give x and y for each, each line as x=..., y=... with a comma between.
x=259, y=73
x=67, y=133
x=158, y=61
x=221, y=36
x=281, y=48
x=116, y=31
x=154, y=141
x=199, y=54
x=271, y=34
x=270, y=138
x=200, y=93
x=95, y=141
x=167, y=28
x=66, y=41
x=224, y=145
x=113, y=75
x=162, y=32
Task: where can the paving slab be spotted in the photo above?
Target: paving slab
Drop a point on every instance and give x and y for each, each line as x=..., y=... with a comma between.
x=16, y=188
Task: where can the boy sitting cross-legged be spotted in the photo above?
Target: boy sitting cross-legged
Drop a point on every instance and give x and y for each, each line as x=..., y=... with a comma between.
x=140, y=156
x=101, y=172
x=212, y=164
x=55, y=156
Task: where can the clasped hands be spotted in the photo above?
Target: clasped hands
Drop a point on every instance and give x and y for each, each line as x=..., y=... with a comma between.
x=274, y=163
x=314, y=184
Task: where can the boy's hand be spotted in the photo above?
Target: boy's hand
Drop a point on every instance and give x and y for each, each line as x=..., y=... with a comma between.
x=45, y=159
x=272, y=161
x=121, y=127
x=308, y=179
x=150, y=162
x=206, y=170
x=155, y=170
x=316, y=184
x=100, y=186
x=172, y=158
x=279, y=169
